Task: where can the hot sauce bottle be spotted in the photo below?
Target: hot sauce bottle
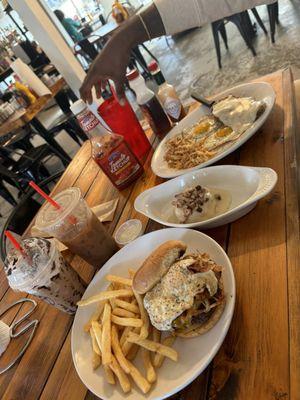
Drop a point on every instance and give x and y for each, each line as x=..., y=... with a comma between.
x=167, y=94
x=109, y=150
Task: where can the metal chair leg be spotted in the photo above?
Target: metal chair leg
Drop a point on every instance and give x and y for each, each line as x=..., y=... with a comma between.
x=223, y=33
x=273, y=14
x=5, y=193
x=65, y=158
x=244, y=35
x=149, y=52
x=259, y=20
x=215, y=26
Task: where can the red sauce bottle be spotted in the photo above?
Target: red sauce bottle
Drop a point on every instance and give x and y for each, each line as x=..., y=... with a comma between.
x=109, y=150
x=123, y=121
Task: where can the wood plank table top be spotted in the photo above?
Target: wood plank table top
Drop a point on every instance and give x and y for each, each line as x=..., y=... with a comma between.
x=21, y=118
x=260, y=357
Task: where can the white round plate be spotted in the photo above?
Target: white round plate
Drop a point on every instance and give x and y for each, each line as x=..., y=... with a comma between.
x=194, y=354
x=258, y=91
x=246, y=186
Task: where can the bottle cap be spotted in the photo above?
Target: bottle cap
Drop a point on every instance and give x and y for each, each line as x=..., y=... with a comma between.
x=78, y=107
x=132, y=75
x=153, y=66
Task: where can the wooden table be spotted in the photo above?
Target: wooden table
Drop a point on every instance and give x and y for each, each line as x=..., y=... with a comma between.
x=29, y=116
x=103, y=31
x=21, y=118
x=260, y=357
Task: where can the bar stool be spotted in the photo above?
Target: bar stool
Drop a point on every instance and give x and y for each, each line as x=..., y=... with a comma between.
x=244, y=29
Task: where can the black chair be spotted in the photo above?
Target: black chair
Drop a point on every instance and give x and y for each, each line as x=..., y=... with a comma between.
x=241, y=20
x=30, y=166
x=24, y=212
x=6, y=194
x=69, y=123
x=88, y=49
x=273, y=11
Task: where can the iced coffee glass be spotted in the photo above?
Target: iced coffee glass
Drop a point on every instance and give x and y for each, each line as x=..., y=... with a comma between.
x=43, y=272
x=77, y=227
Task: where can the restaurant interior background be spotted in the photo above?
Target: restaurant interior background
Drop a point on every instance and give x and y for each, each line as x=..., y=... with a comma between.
x=186, y=59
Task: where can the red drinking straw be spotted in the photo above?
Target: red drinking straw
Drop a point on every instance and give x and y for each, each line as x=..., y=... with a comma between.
x=70, y=218
x=15, y=243
x=43, y=194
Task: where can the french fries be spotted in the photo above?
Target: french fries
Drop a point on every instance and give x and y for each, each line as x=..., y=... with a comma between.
x=97, y=332
x=119, y=279
x=150, y=371
x=95, y=345
x=145, y=328
x=118, y=351
x=135, y=322
x=138, y=378
x=132, y=353
x=119, y=328
x=127, y=306
x=153, y=346
x=120, y=374
x=159, y=358
x=110, y=294
x=125, y=334
x=120, y=312
x=96, y=361
x=106, y=335
x=109, y=374
x=95, y=317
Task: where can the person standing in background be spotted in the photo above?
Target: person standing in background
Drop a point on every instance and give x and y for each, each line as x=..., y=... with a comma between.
x=163, y=17
x=70, y=26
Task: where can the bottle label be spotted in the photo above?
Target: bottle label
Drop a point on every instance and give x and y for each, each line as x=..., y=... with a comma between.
x=172, y=107
x=120, y=164
x=87, y=121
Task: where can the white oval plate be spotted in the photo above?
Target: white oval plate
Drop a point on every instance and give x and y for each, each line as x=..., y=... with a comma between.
x=194, y=354
x=258, y=91
x=246, y=185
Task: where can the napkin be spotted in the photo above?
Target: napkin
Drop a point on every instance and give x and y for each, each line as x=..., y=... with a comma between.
x=105, y=213
x=29, y=77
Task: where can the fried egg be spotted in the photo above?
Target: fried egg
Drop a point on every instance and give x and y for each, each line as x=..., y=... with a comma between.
x=220, y=137
x=238, y=112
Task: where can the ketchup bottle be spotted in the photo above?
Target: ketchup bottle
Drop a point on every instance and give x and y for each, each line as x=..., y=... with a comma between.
x=109, y=150
x=123, y=121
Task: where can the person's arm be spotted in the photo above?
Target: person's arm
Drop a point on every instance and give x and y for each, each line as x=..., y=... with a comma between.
x=162, y=17
x=113, y=60
x=76, y=24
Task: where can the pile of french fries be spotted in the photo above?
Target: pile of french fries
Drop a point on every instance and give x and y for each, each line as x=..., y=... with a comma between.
x=119, y=328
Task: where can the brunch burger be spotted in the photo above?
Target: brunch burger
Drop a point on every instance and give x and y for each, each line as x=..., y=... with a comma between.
x=182, y=293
